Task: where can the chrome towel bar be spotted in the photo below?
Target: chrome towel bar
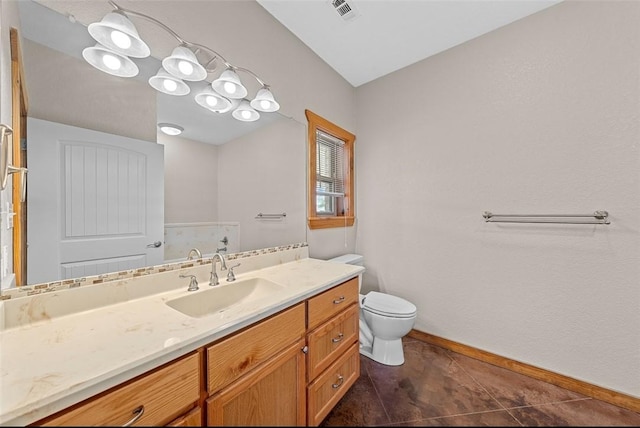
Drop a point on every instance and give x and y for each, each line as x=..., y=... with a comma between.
x=598, y=217
x=271, y=216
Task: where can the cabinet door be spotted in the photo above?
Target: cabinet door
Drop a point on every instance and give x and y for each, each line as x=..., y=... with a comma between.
x=272, y=394
x=190, y=419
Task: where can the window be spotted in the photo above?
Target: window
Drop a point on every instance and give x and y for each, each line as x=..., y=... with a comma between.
x=331, y=180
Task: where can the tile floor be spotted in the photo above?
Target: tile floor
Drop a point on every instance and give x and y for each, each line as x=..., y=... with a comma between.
x=437, y=387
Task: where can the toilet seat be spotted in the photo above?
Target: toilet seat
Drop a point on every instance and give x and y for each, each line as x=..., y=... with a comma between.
x=388, y=305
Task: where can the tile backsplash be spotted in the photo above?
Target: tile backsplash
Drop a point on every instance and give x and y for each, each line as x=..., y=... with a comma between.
x=28, y=290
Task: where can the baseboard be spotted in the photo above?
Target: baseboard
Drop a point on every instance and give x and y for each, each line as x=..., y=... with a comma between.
x=581, y=387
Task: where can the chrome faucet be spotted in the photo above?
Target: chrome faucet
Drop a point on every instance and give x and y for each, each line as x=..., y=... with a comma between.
x=192, y=252
x=193, y=284
x=213, y=280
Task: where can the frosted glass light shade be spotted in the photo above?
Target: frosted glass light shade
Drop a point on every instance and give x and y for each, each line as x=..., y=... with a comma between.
x=110, y=62
x=170, y=128
x=213, y=101
x=245, y=112
x=118, y=33
x=229, y=85
x=264, y=101
x=168, y=84
x=183, y=64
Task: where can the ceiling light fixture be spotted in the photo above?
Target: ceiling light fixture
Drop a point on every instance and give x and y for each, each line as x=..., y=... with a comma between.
x=245, y=112
x=118, y=40
x=110, y=62
x=168, y=84
x=170, y=129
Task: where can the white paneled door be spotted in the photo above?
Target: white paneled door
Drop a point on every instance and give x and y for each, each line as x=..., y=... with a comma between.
x=95, y=202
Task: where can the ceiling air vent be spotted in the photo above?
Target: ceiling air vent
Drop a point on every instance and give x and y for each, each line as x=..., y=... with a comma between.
x=347, y=11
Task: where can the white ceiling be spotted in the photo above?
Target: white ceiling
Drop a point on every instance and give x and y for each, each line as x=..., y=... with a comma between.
x=387, y=35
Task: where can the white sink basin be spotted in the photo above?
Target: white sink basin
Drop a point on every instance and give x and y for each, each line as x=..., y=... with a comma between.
x=217, y=298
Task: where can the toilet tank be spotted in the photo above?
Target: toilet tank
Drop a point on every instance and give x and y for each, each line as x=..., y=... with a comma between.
x=350, y=259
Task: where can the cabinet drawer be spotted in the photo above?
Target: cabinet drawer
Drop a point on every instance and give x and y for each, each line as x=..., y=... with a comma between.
x=329, y=303
x=331, y=339
x=232, y=357
x=324, y=392
x=164, y=394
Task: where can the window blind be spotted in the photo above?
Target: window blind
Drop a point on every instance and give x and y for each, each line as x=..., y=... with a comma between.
x=329, y=165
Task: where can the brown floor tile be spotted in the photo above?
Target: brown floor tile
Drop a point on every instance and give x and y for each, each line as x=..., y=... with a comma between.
x=586, y=412
x=512, y=389
x=436, y=387
x=429, y=384
x=499, y=418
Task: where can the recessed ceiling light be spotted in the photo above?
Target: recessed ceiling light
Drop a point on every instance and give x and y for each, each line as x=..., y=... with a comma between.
x=170, y=129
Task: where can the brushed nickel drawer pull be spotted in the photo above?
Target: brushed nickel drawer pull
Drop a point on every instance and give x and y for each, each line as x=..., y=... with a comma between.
x=338, y=338
x=138, y=412
x=338, y=383
x=338, y=300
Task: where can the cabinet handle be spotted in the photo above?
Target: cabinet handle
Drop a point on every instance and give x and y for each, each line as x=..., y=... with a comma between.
x=338, y=300
x=305, y=349
x=338, y=338
x=138, y=412
x=338, y=383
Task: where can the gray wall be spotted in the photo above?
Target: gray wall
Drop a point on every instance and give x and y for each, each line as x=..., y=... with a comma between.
x=540, y=116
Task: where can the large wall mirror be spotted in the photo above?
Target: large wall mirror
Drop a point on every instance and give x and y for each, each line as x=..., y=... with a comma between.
x=215, y=186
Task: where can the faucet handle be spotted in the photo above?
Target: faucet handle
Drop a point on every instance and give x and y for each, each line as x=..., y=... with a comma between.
x=231, y=276
x=193, y=284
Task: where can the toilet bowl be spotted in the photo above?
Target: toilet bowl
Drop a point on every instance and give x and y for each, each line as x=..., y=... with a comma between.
x=384, y=320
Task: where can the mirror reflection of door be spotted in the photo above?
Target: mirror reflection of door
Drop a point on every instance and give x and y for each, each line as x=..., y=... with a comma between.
x=19, y=113
x=96, y=202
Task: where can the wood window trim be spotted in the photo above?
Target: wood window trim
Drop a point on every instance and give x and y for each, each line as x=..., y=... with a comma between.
x=324, y=222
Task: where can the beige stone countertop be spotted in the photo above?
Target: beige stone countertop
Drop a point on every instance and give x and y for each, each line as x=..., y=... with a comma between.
x=51, y=364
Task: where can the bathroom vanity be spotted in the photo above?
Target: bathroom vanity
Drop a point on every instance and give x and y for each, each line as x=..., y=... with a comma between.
x=284, y=357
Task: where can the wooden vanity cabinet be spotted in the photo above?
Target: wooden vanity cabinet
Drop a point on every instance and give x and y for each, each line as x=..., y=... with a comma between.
x=154, y=398
x=333, y=358
x=288, y=369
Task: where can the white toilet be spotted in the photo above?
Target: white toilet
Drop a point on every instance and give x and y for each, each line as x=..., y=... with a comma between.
x=384, y=320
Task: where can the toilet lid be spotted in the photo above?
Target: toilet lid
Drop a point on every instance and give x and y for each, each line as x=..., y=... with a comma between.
x=386, y=304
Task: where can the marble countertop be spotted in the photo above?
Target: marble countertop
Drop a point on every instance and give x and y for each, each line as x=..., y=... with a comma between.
x=51, y=364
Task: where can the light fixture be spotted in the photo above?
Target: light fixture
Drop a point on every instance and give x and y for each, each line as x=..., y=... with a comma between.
x=110, y=62
x=170, y=129
x=183, y=64
x=264, y=101
x=118, y=40
x=245, y=112
x=229, y=85
x=118, y=33
x=213, y=101
x=170, y=85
